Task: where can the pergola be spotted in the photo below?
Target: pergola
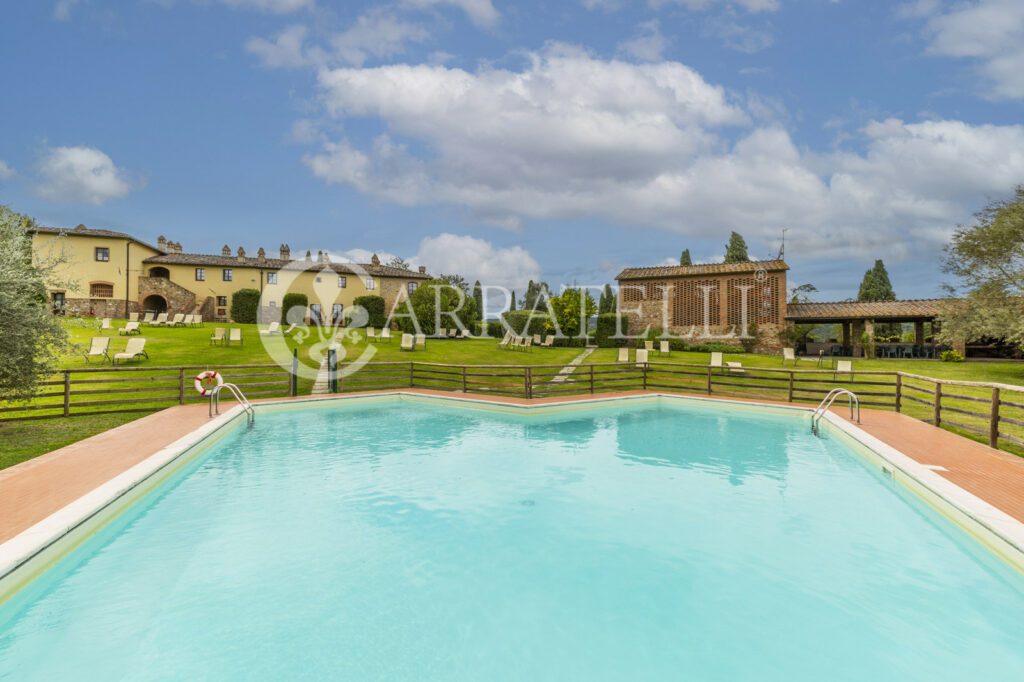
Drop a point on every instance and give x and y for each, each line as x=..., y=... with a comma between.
x=857, y=317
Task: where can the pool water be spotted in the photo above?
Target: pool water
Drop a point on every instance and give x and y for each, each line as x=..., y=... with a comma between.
x=405, y=541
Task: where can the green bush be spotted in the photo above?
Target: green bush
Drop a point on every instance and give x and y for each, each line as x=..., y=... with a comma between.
x=952, y=356
x=492, y=328
x=422, y=305
x=374, y=306
x=245, y=304
x=300, y=301
x=607, y=326
x=523, y=324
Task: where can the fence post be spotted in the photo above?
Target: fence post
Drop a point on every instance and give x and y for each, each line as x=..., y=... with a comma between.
x=528, y=380
x=644, y=366
x=295, y=373
x=899, y=391
x=591, y=379
x=67, y=393
x=412, y=370
x=331, y=370
x=937, y=420
x=463, y=378
x=341, y=381
x=790, y=386
x=993, y=427
x=709, y=379
x=181, y=386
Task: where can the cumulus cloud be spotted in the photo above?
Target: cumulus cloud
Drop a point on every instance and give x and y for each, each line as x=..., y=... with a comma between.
x=6, y=172
x=748, y=5
x=647, y=42
x=558, y=139
x=286, y=50
x=481, y=12
x=62, y=10
x=988, y=31
x=80, y=174
x=272, y=6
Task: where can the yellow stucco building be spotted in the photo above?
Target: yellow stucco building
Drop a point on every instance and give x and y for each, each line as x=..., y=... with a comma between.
x=114, y=274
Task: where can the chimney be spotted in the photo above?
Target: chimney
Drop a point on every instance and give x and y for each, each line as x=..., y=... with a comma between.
x=261, y=256
x=226, y=251
x=177, y=247
x=323, y=257
x=423, y=269
x=161, y=241
x=241, y=255
x=81, y=228
x=286, y=253
x=375, y=260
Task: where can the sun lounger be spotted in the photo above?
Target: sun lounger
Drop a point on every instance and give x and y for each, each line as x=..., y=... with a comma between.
x=442, y=333
x=843, y=367
x=516, y=343
x=235, y=334
x=407, y=342
x=549, y=341
x=218, y=336
x=421, y=340
x=641, y=356
x=649, y=346
x=788, y=354
x=135, y=349
x=536, y=340
x=147, y=319
x=623, y=354
x=105, y=323
x=453, y=333
x=464, y=334
x=272, y=328
x=133, y=317
x=716, y=360
x=98, y=348
x=129, y=328
x=160, y=320
x=178, y=321
x=527, y=343
x=735, y=368
x=664, y=349
x=506, y=340
x=371, y=334
x=385, y=335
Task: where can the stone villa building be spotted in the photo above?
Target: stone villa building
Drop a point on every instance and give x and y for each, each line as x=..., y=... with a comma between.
x=114, y=274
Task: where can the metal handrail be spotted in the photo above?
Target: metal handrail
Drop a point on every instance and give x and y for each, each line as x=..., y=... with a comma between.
x=239, y=396
x=826, y=403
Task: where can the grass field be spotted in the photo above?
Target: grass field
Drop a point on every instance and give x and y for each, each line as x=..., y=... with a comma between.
x=190, y=346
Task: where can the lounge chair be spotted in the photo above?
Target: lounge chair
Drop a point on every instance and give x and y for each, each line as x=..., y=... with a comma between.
x=664, y=349
x=549, y=341
x=843, y=367
x=735, y=368
x=136, y=348
x=235, y=334
x=178, y=321
x=129, y=328
x=506, y=340
x=716, y=360
x=385, y=335
x=371, y=334
x=421, y=340
x=527, y=343
x=272, y=328
x=649, y=346
x=453, y=333
x=133, y=317
x=623, y=354
x=641, y=356
x=788, y=354
x=407, y=342
x=516, y=343
x=290, y=329
x=218, y=336
x=105, y=323
x=160, y=320
x=536, y=339
x=442, y=333
x=147, y=319
x=464, y=334
x=98, y=348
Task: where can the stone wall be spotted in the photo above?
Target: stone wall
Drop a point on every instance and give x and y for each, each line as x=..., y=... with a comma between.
x=651, y=314
x=179, y=299
x=98, y=307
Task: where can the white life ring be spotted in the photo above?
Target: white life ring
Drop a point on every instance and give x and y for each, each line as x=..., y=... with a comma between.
x=208, y=374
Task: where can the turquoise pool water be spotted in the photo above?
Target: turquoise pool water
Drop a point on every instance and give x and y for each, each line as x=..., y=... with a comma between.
x=404, y=541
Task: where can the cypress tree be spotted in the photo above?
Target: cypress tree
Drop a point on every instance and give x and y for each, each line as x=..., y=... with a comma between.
x=478, y=296
x=512, y=305
x=876, y=285
x=685, y=259
x=736, y=249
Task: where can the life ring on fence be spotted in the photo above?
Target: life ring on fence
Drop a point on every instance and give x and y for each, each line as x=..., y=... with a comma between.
x=202, y=385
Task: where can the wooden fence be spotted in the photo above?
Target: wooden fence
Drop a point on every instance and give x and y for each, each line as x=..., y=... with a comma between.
x=94, y=391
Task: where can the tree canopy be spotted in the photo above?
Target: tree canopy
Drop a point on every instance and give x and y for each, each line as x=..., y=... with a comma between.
x=478, y=296
x=436, y=303
x=988, y=260
x=736, y=249
x=536, y=295
x=684, y=258
x=607, y=302
x=876, y=285
x=398, y=262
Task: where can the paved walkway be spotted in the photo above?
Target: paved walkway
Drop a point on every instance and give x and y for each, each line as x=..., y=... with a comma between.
x=320, y=384
x=571, y=367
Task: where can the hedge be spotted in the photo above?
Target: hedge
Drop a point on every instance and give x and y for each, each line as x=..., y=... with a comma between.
x=607, y=325
x=245, y=304
x=374, y=306
x=492, y=328
x=290, y=301
x=522, y=324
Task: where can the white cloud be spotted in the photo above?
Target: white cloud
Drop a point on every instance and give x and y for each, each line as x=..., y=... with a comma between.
x=377, y=33
x=737, y=36
x=6, y=172
x=286, y=50
x=989, y=31
x=273, y=6
x=62, y=10
x=481, y=12
x=748, y=5
x=81, y=174
x=647, y=43
x=478, y=259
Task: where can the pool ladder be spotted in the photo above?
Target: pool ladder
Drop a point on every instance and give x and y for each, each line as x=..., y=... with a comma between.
x=250, y=413
x=826, y=403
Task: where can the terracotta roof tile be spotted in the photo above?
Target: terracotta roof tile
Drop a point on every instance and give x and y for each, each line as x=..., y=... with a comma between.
x=846, y=310
x=278, y=264
x=81, y=230
x=705, y=269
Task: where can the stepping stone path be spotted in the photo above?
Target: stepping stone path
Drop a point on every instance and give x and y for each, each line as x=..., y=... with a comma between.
x=571, y=367
x=320, y=385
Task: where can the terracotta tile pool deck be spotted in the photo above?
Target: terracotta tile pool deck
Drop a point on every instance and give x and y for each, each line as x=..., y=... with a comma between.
x=32, y=490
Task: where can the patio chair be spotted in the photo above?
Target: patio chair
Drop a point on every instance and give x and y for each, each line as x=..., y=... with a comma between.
x=160, y=320
x=135, y=349
x=788, y=354
x=843, y=367
x=517, y=343
x=464, y=334
x=453, y=333
x=407, y=343
x=133, y=317
x=442, y=333
x=536, y=340
x=218, y=336
x=735, y=368
x=98, y=348
x=129, y=328
x=549, y=341
x=105, y=323
x=421, y=340
x=272, y=328
x=664, y=349
x=148, y=318
x=505, y=340
x=235, y=334
x=649, y=346
x=178, y=321
x=641, y=356
x=371, y=334
x=716, y=361
x=623, y=354
x=527, y=343
x=385, y=335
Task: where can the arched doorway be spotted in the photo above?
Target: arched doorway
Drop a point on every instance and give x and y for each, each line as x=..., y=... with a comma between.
x=154, y=304
x=160, y=272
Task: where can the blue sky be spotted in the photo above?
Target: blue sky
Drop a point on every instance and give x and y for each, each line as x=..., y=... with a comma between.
x=518, y=140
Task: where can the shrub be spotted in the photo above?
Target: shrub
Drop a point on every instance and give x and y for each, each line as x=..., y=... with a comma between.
x=607, y=326
x=422, y=305
x=526, y=322
x=490, y=328
x=374, y=307
x=245, y=304
x=952, y=356
x=298, y=302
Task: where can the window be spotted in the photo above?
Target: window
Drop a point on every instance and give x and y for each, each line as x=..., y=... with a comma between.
x=227, y=274
x=101, y=290
x=369, y=284
x=102, y=253
x=200, y=274
x=222, y=300
x=342, y=282
x=271, y=278
x=412, y=287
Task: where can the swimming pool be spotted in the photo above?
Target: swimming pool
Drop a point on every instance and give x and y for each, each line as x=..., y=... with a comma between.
x=410, y=540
